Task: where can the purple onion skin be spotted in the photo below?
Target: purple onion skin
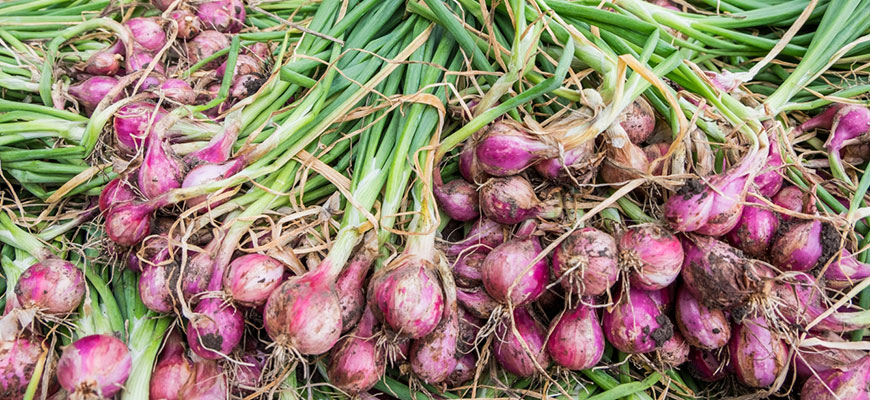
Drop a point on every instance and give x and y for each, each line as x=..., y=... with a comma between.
x=850, y=122
x=636, y=325
x=172, y=371
x=653, y=254
x=178, y=90
x=557, y=169
x=727, y=203
x=106, y=62
x=675, y=351
x=702, y=327
x=154, y=289
x=463, y=371
x=304, y=313
x=707, y=366
x=160, y=171
x=510, y=352
x=155, y=251
x=207, y=382
x=802, y=302
x=755, y=231
x=654, y=152
x=209, y=173
x=117, y=191
x=147, y=33
x=589, y=257
x=18, y=359
x=52, y=286
x=812, y=360
x=505, y=151
x=205, y=44
x=469, y=168
x=790, y=198
x=823, y=120
x=349, y=284
x=485, y=234
x=94, y=366
x=852, y=382
x=769, y=181
x=407, y=297
x=638, y=121
x=357, y=362
x=189, y=24
x=131, y=124
x=509, y=263
x=246, y=378
x=718, y=275
x=216, y=329
x=689, y=208
x=140, y=60
x=251, y=278
x=90, y=92
x=127, y=224
x=798, y=247
x=434, y=356
x=469, y=328
x=244, y=86
x=576, y=341
x=466, y=270
x=845, y=270
x=509, y=200
x=245, y=65
x=458, y=199
x=757, y=355
x=664, y=298
x=224, y=15
x=476, y=301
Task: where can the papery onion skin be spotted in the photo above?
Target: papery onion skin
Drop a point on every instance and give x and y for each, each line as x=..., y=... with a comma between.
x=117, y=191
x=505, y=150
x=458, y=199
x=147, y=33
x=576, y=341
x=407, y=296
x=357, y=362
x=652, y=254
x=251, y=278
x=94, y=366
x=586, y=262
x=127, y=224
x=636, y=325
x=207, y=382
x=509, y=263
x=718, y=275
x=757, y=355
x=689, y=208
x=577, y=163
x=755, y=231
x=638, y=121
x=18, y=359
x=852, y=382
x=701, y=326
x=189, y=25
x=706, y=365
x=216, y=329
x=510, y=352
x=52, y=286
x=172, y=370
x=512, y=200
x=485, y=234
x=349, y=284
x=304, y=313
x=675, y=351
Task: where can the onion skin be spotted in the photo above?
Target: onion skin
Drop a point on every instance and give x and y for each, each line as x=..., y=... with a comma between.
x=769, y=181
x=407, y=297
x=90, y=92
x=106, y=62
x=357, y=362
x=172, y=371
x=622, y=164
x=304, y=313
x=94, y=366
x=216, y=329
x=638, y=121
x=246, y=378
x=147, y=33
x=689, y=208
x=702, y=327
x=800, y=245
x=52, y=286
x=485, y=234
x=18, y=359
x=848, y=383
x=466, y=270
x=509, y=263
x=823, y=120
x=155, y=251
x=189, y=24
x=505, y=150
x=251, y=278
x=727, y=203
x=205, y=44
x=812, y=360
x=790, y=198
x=349, y=284
x=845, y=270
x=127, y=224
x=576, y=341
x=652, y=254
x=209, y=173
x=434, y=356
x=757, y=355
x=664, y=298
x=178, y=90
x=512, y=200
x=636, y=325
x=207, y=382
x=755, y=231
x=707, y=366
x=511, y=353
x=140, y=60
x=245, y=65
x=469, y=168
x=154, y=289
x=223, y=15
x=160, y=171
x=850, y=122
x=476, y=301
x=592, y=254
x=675, y=351
x=458, y=199
x=576, y=162
x=654, y=152
x=718, y=276
x=117, y=191
x=463, y=371
x=132, y=122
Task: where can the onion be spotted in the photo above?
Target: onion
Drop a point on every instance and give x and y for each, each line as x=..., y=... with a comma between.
x=850, y=122
x=172, y=371
x=727, y=203
x=245, y=85
x=824, y=119
x=90, y=92
x=849, y=382
x=189, y=24
x=706, y=365
x=476, y=301
x=434, y=356
x=586, y=262
x=178, y=90
x=147, y=33
x=790, y=198
x=469, y=168
x=505, y=150
x=576, y=341
x=801, y=245
x=769, y=180
x=215, y=330
x=207, y=382
x=636, y=325
x=469, y=329
x=247, y=378
x=127, y=224
x=512, y=200
x=577, y=162
x=466, y=270
x=304, y=313
x=485, y=234
x=117, y=191
x=845, y=270
x=154, y=289
x=357, y=362
x=508, y=276
x=196, y=274
x=251, y=278
x=701, y=326
x=802, y=301
x=406, y=296
x=622, y=164
x=638, y=121
x=140, y=60
x=509, y=350
x=664, y=298
x=654, y=152
x=757, y=355
x=18, y=359
x=675, y=351
x=262, y=51
x=463, y=371
x=245, y=65
x=457, y=198
x=349, y=284
x=652, y=254
x=52, y=286
x=205, y=44
x=815, y=359
x=710, y=210
x=154, y=250
x=223, y=15
x=755, y=230
x=132, y=123
x=688, y=209
x=718, y=275
x=161, y=171
x=94, y=366
x=106, y=62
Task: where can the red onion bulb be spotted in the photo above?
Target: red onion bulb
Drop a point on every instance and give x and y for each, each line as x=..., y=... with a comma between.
x=652, y=254
x=509, y=350
x=251, y=278
x=586, y=262
x=52, y=286
x=94, y=366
